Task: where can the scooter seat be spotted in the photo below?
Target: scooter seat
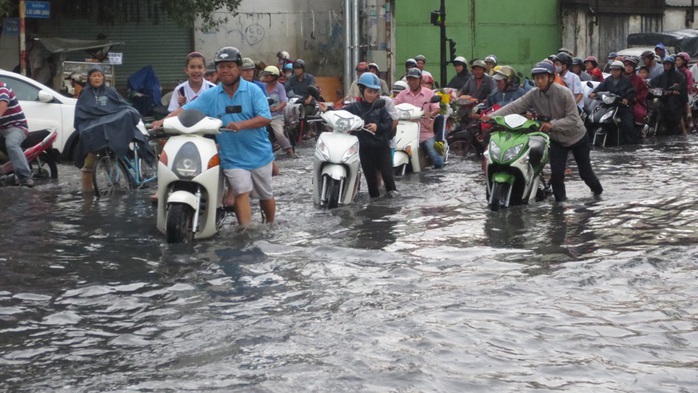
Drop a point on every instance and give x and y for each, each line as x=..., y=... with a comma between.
x=32, y=139
x=536, y=145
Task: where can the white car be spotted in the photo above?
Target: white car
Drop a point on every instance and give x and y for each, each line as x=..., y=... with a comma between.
x=44, y=108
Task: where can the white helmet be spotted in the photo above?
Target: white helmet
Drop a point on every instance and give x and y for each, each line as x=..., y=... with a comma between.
x=399, y=86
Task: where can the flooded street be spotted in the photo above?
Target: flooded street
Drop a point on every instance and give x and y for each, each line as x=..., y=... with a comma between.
x=428, y=292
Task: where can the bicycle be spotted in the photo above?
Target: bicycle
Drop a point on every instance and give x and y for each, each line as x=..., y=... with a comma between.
x=113, y=174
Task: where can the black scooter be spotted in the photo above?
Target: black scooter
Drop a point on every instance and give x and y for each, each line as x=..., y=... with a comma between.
x=602, y=117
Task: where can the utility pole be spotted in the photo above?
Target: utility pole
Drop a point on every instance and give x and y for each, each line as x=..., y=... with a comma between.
x=438, y=18
x=443, y=43
x=22, y=40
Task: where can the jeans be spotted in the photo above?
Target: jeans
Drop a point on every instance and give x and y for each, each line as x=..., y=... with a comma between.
x=13, y=140
x=558, y=163
x=435, y=157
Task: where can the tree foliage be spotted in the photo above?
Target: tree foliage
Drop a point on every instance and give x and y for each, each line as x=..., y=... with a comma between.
x=211, y=13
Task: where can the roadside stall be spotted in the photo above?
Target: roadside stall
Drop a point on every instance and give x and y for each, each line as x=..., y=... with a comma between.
x=70, y=73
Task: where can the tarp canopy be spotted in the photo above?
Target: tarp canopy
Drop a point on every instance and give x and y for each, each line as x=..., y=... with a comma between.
x=681, y=40
x=64, y=45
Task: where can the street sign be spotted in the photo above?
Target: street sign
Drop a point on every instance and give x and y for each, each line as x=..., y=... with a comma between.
x=37, y=9
x=10, y=26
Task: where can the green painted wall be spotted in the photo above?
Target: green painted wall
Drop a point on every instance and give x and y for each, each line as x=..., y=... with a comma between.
x=519, y=32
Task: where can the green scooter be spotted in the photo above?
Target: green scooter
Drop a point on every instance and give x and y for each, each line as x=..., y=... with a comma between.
x=514, y=161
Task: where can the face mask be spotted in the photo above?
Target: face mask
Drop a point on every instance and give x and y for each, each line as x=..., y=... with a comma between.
x=558, y=69
x=610, y=61
x=288, y=74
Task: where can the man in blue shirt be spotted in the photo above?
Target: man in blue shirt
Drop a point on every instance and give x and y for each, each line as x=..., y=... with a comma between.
x=245, y=151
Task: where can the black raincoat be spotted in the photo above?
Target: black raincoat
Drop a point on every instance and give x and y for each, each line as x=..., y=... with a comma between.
x=104, y=119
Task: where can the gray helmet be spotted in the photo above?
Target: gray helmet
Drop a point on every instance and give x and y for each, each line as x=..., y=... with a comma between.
x=414, y=73
x=420, y=57
x=578, y=61
x=227, y=54
x=647, y=53
x=299, y=64
x=634, y=60
x=247, y=64
x=543, y=67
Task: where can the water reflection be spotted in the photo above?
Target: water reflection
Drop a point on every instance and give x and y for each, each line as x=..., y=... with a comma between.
x=384, y=295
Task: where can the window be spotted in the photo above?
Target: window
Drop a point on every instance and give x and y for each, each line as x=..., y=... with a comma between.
x=23, y=90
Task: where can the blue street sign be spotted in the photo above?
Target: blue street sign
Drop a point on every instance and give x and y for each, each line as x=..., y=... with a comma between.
x=37, y=9
x=10, y=26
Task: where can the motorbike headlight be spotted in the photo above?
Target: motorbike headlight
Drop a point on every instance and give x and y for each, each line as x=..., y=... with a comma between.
x=607, y=99
x=322, y=148
x=495, y=151
x=342, y=125
x=404, y=115
x=351, y=152
x=512, y=152
x=187, y=162
x=656, y=92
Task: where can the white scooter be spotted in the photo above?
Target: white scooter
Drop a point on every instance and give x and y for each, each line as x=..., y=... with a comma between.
x=190, y=181
x=407, y=138
x=336, y=164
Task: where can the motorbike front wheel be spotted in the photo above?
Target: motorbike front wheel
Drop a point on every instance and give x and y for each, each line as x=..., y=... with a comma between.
x=332, y=193
x=499, y=191
x=180, y=218
x=44, y=167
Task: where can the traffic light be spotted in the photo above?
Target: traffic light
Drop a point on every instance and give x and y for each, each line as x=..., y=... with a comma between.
x=436, y=18
x=452, y=48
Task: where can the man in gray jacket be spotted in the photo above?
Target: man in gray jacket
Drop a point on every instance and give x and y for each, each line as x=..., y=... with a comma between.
x=566, y=129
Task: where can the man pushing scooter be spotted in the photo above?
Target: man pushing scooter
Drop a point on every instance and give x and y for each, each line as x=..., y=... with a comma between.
x=566, y=129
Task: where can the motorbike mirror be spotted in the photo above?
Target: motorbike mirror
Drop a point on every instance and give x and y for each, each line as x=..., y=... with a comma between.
x=270, y=101
x=589, y=84
x=378, y=104
x=436, y=98
x=314, y=92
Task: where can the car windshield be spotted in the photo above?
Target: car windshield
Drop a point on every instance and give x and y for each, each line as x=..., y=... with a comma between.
x=23, y=91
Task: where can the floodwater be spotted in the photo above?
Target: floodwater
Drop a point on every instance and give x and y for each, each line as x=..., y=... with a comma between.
x=428, y=292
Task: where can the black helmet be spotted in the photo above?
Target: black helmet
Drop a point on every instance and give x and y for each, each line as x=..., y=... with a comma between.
x=553, y=58
x=299, y=64
x=647, y=53
x=578, y=61
x=227, y=53
x=565, y=59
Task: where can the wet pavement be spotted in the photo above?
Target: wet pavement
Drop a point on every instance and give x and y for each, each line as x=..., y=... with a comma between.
x=428, y=292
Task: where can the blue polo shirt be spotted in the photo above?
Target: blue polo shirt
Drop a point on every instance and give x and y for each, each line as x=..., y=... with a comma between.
x=246, y=149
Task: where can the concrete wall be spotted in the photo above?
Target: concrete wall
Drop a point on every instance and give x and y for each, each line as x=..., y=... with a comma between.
x=590, y=35
x=308, y=29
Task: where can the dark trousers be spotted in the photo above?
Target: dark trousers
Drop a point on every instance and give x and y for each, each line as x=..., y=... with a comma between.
x=628, y=134
x=558, y=163
x=374, y=159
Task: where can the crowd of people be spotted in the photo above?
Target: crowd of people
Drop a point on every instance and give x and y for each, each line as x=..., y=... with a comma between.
x=262, y=92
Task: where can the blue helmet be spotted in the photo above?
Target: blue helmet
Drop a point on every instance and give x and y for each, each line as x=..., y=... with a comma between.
x=543, y=67
x=288, y=66
x=670, y=59
x=370, y=80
